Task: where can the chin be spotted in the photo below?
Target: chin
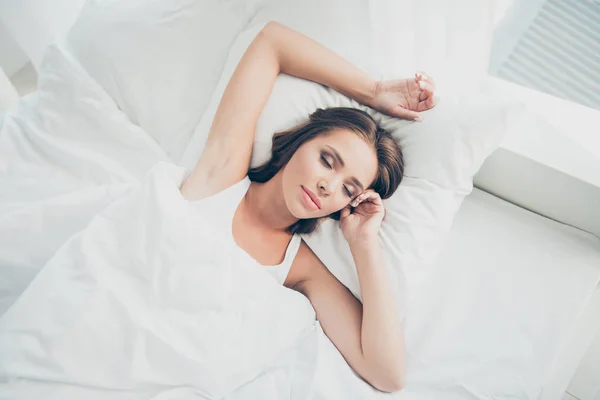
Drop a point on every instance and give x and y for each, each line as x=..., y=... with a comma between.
x=307, y=214
x=296, y=209
x=300, y=212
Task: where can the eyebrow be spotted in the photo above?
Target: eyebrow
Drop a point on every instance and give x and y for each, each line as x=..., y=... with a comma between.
x=339, y=158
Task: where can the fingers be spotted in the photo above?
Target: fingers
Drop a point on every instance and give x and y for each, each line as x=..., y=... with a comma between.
x=373, y=197
x=429, y=102
x=426, y=104
x=406, y=114
x=419, y=95
x=411, y=85
x=426, y=87
x=426, y=97
x=422, y=76
x=367, y=195
x=345, y=212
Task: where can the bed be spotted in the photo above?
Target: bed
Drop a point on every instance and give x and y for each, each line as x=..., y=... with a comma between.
x=507, y=311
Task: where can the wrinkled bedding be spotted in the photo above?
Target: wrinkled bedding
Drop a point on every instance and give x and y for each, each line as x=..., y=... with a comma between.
x=134, y=291
x=105, y=294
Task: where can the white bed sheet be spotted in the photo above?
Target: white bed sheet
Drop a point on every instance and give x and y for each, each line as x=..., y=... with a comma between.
x=504, y=299
x=488, y=324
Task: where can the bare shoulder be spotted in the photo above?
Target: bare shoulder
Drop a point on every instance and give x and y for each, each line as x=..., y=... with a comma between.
x=199, y=185
x=308, y=267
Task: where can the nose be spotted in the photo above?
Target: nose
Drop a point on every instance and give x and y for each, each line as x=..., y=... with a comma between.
x=323, y=189
x=327, y=187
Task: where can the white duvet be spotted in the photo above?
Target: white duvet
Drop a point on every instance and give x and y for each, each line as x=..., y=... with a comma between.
x=143, y=298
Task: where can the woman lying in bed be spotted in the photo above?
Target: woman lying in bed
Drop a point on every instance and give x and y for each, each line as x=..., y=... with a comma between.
x=340, y=165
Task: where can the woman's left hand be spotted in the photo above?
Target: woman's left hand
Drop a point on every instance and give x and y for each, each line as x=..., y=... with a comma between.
x=405, y=98
x=362, y=218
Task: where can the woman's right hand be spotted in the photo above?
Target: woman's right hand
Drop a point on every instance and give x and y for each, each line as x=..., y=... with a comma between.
x=405, y=98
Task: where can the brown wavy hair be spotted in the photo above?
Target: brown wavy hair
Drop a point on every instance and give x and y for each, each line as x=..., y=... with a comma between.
x=390, y=169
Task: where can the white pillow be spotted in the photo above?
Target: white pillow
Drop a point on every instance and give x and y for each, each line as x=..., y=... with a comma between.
x=159, y=60
x=441, y=154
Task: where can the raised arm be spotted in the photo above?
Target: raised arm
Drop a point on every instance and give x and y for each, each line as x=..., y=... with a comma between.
x=226, y=156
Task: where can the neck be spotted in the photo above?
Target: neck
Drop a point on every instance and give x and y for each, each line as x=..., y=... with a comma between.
x=266, y=204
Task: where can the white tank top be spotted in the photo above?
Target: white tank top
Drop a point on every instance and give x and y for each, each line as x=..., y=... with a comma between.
x=224, y=204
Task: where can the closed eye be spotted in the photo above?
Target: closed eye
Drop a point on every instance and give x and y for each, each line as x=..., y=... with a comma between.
x=328, y=165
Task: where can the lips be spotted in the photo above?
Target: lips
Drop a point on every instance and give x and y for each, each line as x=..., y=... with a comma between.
x=313, y=197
